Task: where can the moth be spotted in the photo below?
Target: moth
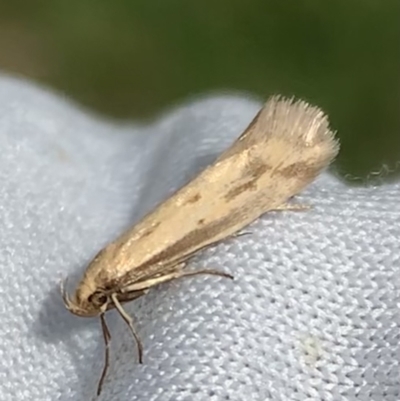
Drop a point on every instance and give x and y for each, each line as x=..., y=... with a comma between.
x=284, y=148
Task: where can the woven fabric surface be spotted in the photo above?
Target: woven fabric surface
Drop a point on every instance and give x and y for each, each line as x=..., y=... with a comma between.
x=313, y=311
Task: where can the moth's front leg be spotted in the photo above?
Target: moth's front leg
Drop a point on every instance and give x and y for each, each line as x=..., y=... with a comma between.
x=177, y=273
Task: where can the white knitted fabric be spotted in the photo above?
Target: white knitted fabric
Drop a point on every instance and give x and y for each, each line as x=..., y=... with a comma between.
x=313, y=312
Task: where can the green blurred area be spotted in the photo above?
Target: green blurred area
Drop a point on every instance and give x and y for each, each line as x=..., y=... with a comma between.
x=131, y=58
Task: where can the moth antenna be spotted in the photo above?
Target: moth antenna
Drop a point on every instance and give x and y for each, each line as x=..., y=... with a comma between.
x=128, y=320
x=107, y=338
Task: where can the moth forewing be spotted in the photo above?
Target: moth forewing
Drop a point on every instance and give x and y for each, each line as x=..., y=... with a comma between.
x=283, y=149
x=281, y=152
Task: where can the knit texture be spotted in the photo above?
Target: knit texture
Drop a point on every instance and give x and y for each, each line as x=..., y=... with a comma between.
x=313, y=311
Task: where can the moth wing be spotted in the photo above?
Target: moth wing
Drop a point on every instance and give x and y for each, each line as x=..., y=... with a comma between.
x=284, y=148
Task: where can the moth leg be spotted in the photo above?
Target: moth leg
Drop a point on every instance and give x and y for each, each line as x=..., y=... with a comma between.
x=292, y=207
x=172, y=276
x=284, y=207
x=239, y=234
x=150, y=281
x=213, y=272
x=107, y=338
x=128, y=320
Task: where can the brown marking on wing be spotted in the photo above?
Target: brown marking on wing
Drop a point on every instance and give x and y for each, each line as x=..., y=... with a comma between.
x=299, y=169
x=253, y=172
x=256, y=169
x=193, y=199
x=208, y=231
x=201, y=222
x=234, y=192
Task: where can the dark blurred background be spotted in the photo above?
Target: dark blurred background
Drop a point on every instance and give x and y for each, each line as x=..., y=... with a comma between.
x=132, y=58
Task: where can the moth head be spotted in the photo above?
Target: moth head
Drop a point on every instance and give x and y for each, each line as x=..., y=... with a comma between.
x=86, y=301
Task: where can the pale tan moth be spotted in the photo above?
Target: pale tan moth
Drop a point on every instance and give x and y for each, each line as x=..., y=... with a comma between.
x=284, y=148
